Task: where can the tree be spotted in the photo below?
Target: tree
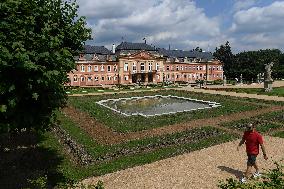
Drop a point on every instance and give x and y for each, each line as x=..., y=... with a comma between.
x=225, y=55
x=197, y=49
x=251, y=63
x=38, y=42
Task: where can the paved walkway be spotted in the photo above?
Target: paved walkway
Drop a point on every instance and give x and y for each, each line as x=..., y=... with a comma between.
x=200, y=169
x=243, y=95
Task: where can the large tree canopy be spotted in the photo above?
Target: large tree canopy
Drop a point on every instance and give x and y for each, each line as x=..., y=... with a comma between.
x=250, y=63
x=225, y=55
x=38, y=42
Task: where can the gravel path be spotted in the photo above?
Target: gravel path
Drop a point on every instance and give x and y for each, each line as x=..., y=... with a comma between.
x=200, y=169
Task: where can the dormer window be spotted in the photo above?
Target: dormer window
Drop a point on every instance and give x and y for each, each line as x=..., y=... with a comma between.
x=81, y=56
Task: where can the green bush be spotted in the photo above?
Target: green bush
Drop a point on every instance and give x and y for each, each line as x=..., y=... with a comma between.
x=273, y=179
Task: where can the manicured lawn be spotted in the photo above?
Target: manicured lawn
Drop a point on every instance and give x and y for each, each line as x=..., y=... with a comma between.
x=122, y=123
x=264, y=123
x=86, y=90
x=279, y=134
x=275, y=92
x=109, y=158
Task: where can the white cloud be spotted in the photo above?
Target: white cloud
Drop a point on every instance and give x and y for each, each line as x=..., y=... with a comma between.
x=161, y=22
x=260, y=27
x=243, y=4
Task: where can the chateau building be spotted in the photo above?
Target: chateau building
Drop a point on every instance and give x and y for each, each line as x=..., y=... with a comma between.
x=131, y=63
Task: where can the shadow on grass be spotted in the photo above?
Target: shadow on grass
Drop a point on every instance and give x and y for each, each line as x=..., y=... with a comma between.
x=235, y=172
x=22, y=158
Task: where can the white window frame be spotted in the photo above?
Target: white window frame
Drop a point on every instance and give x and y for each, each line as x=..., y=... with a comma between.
x=96, y=68
x=102, y=68
x=89, y=68
x=142, y=64
x=125, y=67
x=150, y=66
x=109, y=78
x=109, y=68
x=157, y=66
x=75, y=78
x=82, y=68
x=126, y=77
x=96, y=78
x=134, y=67
x=89, y=80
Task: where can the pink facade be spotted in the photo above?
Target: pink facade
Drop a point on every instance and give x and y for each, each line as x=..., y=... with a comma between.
x=142, y=67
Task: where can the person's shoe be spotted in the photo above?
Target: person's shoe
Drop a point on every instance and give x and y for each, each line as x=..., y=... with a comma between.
x=256, y=175
x=243, y=180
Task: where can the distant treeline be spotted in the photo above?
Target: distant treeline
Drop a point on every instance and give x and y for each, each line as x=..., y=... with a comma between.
x=250, y=63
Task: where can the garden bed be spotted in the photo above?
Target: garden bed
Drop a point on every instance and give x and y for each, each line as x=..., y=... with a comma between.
x=125, y=124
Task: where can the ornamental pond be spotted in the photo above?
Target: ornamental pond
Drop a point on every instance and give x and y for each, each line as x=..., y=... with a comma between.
x=148, y=106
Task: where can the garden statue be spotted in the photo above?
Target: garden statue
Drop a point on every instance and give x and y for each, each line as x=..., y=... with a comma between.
x=268, y=70
x=258, y=78
x=241, y=79
x=224, y=80
x=268, y=80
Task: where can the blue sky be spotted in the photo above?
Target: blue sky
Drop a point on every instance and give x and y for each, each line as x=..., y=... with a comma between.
x=186, y=24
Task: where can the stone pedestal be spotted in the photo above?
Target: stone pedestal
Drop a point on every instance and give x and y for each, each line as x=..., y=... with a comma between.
x=268, y=85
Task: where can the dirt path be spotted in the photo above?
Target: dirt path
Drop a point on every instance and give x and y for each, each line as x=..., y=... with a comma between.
x=105, y=135
x=200, y=169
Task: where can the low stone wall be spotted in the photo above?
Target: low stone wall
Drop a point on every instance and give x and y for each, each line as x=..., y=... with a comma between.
x=75, y=149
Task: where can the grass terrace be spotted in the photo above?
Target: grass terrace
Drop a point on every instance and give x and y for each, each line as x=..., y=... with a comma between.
x=277, y=91
x=65, y=165
x=125, y=124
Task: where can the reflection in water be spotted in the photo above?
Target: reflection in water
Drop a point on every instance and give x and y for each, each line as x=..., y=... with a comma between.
x=155, y=105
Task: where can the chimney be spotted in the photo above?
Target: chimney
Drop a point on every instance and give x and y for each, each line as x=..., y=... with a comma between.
x=169, y=47
x=113, y=48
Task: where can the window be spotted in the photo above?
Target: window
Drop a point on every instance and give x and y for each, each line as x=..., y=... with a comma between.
x=75, y=78
x=108, y=68
x=150, y=66
x=89, y=68
x=102, y=68
x=157, y=66
x=209, y=68
x=96, y=68
x=82, y=68
x=89, y=78
x=134, y=67
x=81, y=56
x=168, y=76
x=125, y=67
x=177, y=76
x=103, y=78
x=115, y=68
x=185, y=67
x=96, y=78
x=82, y=79
x=221, y=67
x=126, y=77
x=115, y=78
x=177, y=68
x=184, y=76
x=108, y=78
x=142, y=66
x=213, y=68
x=193, y=67
x=181, y=67
x=168, y=68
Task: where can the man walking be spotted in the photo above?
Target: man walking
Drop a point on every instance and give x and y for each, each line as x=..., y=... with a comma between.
x=252, y=139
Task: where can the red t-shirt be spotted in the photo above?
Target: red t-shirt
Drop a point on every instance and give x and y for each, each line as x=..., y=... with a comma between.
x=253, y=140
